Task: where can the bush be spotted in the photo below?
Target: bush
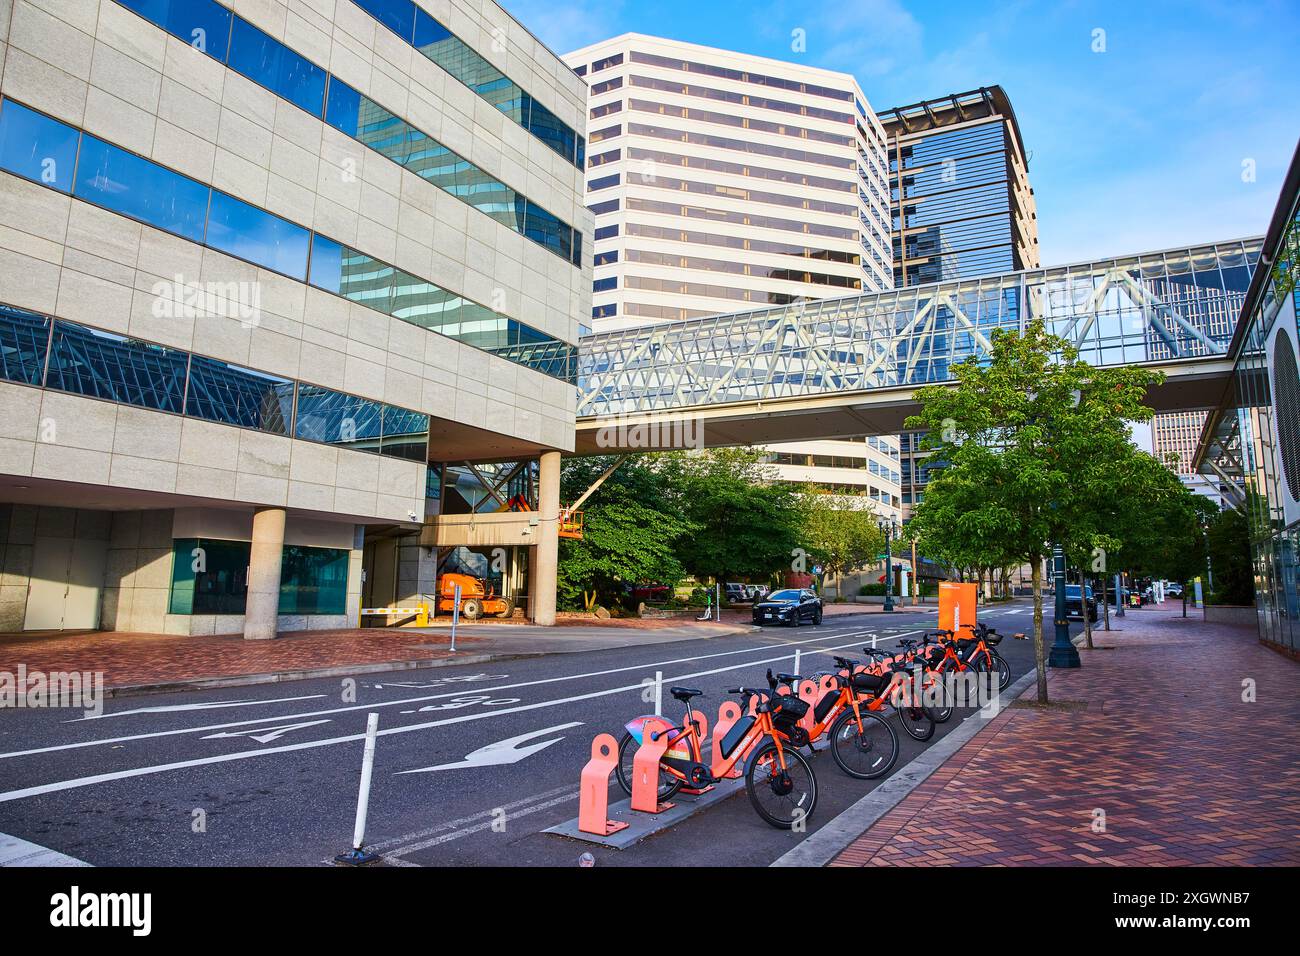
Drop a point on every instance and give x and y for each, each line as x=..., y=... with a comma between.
x=872, y=590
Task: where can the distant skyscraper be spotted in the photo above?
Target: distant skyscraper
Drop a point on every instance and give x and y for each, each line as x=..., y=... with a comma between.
x=961, y=205
x=722, y=182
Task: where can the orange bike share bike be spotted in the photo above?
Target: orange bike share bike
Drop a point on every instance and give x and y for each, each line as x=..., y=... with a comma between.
x=781, y=784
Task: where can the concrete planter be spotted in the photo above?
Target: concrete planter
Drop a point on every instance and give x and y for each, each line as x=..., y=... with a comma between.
x=1239, y=614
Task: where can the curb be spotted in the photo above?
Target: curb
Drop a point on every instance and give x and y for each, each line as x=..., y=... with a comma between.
x=819, y=848
x=250, y=680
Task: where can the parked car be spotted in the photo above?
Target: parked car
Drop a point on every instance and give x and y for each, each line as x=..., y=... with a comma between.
x=1075, y=599
x=1112, y=597
x=653, y=593
x=756, y=591
x=734, y=593
x=1173, y=589
x=792, y=606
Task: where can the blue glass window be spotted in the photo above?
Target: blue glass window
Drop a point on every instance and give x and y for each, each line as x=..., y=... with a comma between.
x=221, y=392
x=338, y=419
x=313, y=580
x=203, y=24
x=405, y=434
x=326, y=263
x=540, y=226
x=604, y=285
x=269, y=63
x=125, y=183
x=36, y=147
x=258, y=236
x=343, y=107
x=114, y=367
x=397, y=15
x=428, y=32
x=24, y=341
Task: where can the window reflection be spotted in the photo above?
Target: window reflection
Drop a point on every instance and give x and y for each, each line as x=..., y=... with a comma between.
x=125, y=183
x=36, y=147
x=257, y=236
x=117, y=368
x=220, y=392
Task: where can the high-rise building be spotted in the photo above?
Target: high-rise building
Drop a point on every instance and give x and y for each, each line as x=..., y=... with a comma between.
x=961, y=206
x=289, y=297
x=720, y=180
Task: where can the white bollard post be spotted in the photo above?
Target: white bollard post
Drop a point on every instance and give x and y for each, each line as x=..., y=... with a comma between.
x=659, y=693
x=717, y=604
x=455, y=615
x=357, y=855
x=797, y=652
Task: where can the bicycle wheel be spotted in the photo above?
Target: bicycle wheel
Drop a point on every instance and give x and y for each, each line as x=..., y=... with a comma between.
x=940, y=712
x=865, y=754
x=627, y=747
x=917, y=721
x=1003, y=669
x=781, y=797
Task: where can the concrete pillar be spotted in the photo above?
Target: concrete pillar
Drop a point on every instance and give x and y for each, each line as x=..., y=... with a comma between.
x=265, y=555
x=546, y=554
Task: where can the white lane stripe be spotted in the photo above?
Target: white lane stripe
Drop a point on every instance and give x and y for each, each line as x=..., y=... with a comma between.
x=181, y=708
x=478, y=828
x=394, y=703
x=311, y=744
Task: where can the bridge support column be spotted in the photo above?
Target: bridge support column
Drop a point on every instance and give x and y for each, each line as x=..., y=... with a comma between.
x=546, y=555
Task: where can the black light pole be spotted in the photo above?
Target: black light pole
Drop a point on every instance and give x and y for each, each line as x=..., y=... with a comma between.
x=1064, y=653
x=887, y=526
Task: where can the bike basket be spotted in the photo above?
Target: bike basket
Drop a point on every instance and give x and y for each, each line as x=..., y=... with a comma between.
x=993, y=639
x=737, y=733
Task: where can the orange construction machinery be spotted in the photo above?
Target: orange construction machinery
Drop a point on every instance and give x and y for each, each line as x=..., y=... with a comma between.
x=476, y=598
x=570, y=520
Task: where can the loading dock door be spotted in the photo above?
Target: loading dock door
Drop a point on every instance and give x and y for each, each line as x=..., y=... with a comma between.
x=67, y=581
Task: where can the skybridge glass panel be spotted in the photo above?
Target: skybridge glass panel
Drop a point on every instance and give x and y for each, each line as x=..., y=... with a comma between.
x=116, y=368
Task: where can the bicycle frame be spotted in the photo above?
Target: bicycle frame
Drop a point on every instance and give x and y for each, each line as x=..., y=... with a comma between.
x=688, y=736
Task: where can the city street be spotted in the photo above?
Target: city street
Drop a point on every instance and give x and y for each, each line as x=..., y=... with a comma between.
x=471, y=764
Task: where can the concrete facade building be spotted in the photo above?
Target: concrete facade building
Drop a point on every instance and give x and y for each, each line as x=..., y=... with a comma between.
x=270, y=270
x=721, y=181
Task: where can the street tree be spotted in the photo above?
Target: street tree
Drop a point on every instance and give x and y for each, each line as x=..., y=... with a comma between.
x=1024, y=434
x=839, y=537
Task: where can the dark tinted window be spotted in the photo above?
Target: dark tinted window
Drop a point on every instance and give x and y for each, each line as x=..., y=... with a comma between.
x=125, y=183
x=406, y=434
x=221, y=392
x=114, y=367
x=36, y=147
x=24, y=340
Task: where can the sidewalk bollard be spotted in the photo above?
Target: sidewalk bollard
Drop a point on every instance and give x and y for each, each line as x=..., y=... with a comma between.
x=645, y=767
x=797, y=653
x=659, y=693
x=728, y=714
x=356, y=855
x=717, y=604
x=593, y=795
x=455, y=615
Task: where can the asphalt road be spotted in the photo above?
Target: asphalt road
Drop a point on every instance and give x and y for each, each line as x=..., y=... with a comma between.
x=268, y=775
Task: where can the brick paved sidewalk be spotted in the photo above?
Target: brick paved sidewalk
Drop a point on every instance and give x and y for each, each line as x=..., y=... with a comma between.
x=1154, y=733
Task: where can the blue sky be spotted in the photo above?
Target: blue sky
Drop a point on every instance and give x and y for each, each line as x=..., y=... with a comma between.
x=1135, y=148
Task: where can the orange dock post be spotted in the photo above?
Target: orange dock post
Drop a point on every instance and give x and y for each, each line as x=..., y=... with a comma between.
x=645, y=767
x=728, y=714
x=593, y=797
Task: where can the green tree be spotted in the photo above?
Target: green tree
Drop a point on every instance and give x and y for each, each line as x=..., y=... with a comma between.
x=744, y=523
x=841, y=539
x=1228, y=541
x=1025, y=436
x=630, y=531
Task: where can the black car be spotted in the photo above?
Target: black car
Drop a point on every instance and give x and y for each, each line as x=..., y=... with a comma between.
x=1074, y=602
x=792, y=606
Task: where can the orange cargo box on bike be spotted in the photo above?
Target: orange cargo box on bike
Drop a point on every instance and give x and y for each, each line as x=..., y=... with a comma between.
x=956, y=605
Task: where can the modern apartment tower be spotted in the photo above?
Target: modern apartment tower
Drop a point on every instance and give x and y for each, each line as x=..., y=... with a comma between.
x=719, y=182
x=289, y=298
x=961, y=205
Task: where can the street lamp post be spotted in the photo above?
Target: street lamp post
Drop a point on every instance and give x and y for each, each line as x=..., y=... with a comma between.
x=887, y=526
x=1063, y=653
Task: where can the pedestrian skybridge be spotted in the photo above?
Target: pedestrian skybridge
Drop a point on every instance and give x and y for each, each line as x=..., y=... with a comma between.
x=848, y=366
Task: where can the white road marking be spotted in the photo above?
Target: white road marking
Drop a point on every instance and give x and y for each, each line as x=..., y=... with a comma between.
x=264, y=734
x=502, y=752
x=409, y=728
x=177, y=708
x=409, y=700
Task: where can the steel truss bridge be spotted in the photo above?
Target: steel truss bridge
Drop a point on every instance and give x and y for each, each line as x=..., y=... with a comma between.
x=848, y=366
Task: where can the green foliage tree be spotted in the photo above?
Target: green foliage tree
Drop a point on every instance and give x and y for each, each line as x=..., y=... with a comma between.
x=1228, y=541
x=1026, y=436
x=840, y=539
x=631, y=530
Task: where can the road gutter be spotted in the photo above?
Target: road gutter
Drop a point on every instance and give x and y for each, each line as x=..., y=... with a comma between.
x=829, y=841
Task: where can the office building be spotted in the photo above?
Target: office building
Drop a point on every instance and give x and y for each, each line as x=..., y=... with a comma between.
x=719, y=182
x=289, y=298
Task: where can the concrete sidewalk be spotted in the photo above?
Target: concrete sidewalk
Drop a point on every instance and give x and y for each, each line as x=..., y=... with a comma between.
x=150, y=663
x=1152, y=754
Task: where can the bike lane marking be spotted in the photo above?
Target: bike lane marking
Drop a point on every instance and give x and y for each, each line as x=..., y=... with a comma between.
x=400, y=702
x=77, y=782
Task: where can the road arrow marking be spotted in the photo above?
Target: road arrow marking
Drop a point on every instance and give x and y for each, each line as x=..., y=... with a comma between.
x=264, y=735
x=503, y=752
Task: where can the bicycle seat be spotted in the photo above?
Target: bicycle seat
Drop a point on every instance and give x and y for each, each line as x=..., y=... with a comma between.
x=685, y=693
x=846, y=662
x=789, y=678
